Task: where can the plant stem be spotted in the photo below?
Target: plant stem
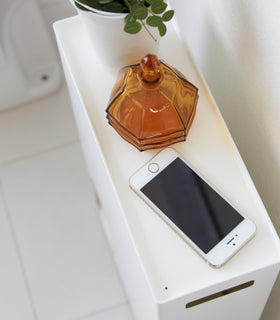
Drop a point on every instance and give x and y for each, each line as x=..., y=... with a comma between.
x=144, y=25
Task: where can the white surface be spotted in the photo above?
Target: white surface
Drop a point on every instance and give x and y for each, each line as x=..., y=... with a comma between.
x=54, y=257
x=208, y=148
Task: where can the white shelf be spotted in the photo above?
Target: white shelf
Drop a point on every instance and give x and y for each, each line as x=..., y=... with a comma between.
x=163, y=259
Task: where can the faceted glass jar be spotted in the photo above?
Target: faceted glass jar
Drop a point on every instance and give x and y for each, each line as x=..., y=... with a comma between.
x=152, y=105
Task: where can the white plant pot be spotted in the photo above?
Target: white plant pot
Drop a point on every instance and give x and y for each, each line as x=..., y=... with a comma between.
x=115, y=47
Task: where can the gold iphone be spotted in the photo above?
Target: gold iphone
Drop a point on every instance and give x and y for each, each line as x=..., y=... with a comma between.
x=192, y=207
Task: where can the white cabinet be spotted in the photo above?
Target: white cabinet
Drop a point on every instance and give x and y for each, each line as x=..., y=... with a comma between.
x=163, y=277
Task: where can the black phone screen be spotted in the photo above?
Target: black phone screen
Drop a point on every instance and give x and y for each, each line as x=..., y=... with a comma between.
x=192, y=205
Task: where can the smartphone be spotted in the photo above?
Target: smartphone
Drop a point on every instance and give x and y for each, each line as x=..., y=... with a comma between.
x=192, y=207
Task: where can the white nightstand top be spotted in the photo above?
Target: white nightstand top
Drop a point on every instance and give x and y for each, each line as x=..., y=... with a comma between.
x=167, y=260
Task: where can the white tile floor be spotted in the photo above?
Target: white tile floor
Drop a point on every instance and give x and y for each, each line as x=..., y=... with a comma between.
x=55, y=261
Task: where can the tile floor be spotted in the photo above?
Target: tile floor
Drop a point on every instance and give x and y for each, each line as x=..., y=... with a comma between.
x=55, y=261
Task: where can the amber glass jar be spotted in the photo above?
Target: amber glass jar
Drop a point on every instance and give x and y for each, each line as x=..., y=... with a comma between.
x=152, y=105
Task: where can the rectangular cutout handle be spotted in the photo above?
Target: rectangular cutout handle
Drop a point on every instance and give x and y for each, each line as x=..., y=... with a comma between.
x=220, y=294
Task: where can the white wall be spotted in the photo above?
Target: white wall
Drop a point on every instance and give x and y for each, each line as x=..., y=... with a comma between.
x=236, y=44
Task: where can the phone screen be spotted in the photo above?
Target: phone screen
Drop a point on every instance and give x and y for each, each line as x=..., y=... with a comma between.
x=192, y=205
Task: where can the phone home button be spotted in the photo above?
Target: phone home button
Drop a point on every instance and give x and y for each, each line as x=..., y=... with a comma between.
x=153, y=167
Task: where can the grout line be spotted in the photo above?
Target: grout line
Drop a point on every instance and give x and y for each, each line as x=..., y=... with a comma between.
x=36, y=154
x=116, y=306
x=18, y=253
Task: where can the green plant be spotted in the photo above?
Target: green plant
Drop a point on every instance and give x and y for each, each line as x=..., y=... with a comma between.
x=139, y=13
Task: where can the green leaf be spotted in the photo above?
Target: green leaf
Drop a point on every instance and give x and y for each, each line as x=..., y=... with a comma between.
x=92, y=3
x=150, y=1
x=162, y=29
x=104, y=1
x=141, y=12
x=132, y=27
x=158, y=7
x=154, y=21
x=132, y=2
x=113, y=7
x=168, y=15
x=129, y=18
x=129, y=3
